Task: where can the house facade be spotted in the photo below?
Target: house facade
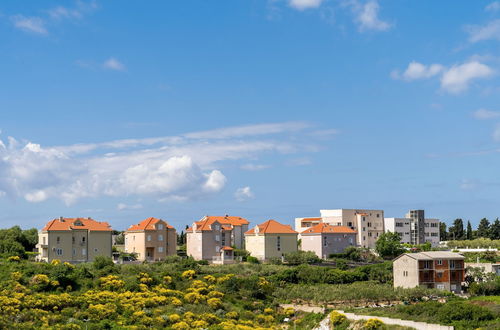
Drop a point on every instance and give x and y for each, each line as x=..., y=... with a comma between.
x=324, y=239
x=271, y=239
x=434, y=269
x=74, y=240
x=414, y=228
x=369, y=224
x=206, y=238
x=152, y=239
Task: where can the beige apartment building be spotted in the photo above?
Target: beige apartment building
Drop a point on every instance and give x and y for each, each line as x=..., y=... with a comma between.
x=433, y=269
x=152, y=239
x=270, y=239
x=74, y=240
x=369, y=224
x=212, y=236
x=324, y=239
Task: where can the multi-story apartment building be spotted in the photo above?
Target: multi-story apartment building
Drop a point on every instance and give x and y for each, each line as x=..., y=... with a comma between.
x=414, y=228
x=151, y=239
x=325, y=239
x=271, y=239
x=74, y=240
x=369, y=224
x=206, y=238
x=434, y=269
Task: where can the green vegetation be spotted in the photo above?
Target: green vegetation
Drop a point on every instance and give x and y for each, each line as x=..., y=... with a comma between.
x=480, y=243
x=389, y=246
x=17, y=242
x=302, y=257
x=459, y=313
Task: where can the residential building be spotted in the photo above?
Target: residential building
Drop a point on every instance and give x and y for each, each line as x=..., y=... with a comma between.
x=151, y=239
x=414, y=228
x=486, y=267
x=271, y=239
x=325, y=239
x=74, y=240
x=369, y=224
x=434, y=269
x=206, y=238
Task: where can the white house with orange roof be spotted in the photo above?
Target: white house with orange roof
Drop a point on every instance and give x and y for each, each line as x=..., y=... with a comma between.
x=325, y=239
x=74, y=240
x=206, y=238
x=151, y=239
x=270, y=239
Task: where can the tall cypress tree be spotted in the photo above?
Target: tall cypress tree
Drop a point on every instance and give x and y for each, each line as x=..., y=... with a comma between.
x=443, y=235
x=469, y=230
x=483, y=229
x=495, y=230
x=457, y=230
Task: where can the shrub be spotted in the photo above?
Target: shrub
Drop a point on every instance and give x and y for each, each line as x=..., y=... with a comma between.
x=337, y=318
x=302, y=257
x=189, y=274
x=14, y=259
x=252, y=260
x=373, y=324
x=214, y=303
x=180, y=326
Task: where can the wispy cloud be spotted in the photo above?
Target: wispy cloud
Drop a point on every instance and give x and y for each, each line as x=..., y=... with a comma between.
x=304, y=4
x=494, y=6
x=254, y=167
x=244, y=194
x=489, y=31
x=367, y=15
x=123, y=206
x=167, y=168
x=30, y=24
x=482, y=114
x=113, y=64
x=454, y=79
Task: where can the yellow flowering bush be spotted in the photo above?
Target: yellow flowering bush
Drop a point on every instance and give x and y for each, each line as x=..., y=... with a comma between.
x=167, y=279
x=111, y=282
x=225, y=278
x=210, y=279
x=232, y=315
x=215, y=294
x=100, y=311
x=189, y=274
x=336, y=318
x=289, y=312
x=193, y=298
x=180, y=326
x=214, y=303
x=373, y=324
x=268, y=310
x=55, y=262
x=16, y=276
x=14, y=259
x=200, y=324
x=174, y=318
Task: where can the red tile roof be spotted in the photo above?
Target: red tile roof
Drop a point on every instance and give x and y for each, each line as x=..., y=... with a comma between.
x=205, y=223
x=272, y=227
x=76, y=223
x=311, y=219
x=227, y=248
x=322, y=228
x=148, y=224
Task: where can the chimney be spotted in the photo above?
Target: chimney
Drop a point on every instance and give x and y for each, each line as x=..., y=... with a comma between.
x=61, y=219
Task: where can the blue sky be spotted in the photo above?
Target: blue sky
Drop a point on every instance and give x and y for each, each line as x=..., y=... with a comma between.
x=265, y=109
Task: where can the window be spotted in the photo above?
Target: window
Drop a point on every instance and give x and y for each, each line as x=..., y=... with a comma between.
x=73, y=239
x=59, y=252
x=43, y=239
x=364, y=238
x=160, y=249
x=217, y=249
x=434, y=234
x=278, y=243
x=216, y=227
x=74, y=252
x=58, y=239
x=364, y=219
x=440, y=274
x=349, y=224
x=350, y=240
x=364, y=229
x=160, y=237
x=83, y=239
x=427, y=264
x=217, y=238
x=405, y=273
x=95, y=249
x=399, y=224
x=160, y=226
x=84, y=252
x=439, y=261
x=369, y=224
x=369, y=234
x=426, y=225
x=133, y=238
x=378, y=215
x=452, y=263
x=149, y=238
x=440, y=286
x=324, y=241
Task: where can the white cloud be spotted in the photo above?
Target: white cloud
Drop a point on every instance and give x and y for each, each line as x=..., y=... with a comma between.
x=113, y=64
x=254, y=167
x=244, y=194
x=494, y=6
x=485, y=114
x=30, y=24
x=490, y=31
x=458, y=77
x=123, y=206
x=304, y=4
x=61, y=12
x=246, y=130
x=418, y=70
x=366, y=15
x=467, y=184
x=166, y=168
x=496, y=133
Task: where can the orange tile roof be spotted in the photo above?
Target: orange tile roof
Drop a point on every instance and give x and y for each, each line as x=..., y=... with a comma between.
x=272, y=227
x=204, y=224
x=148, y=224
x=311, y=219
x=81, y=223
x=227, y=248
x=322, y=228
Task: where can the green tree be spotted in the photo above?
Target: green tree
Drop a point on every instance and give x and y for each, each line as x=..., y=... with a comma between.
x=120, y=239
x=483, y=229
x=456, y=232
x=469, y=231
x=495, y=230
x=389, y=245
x=443, y=234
